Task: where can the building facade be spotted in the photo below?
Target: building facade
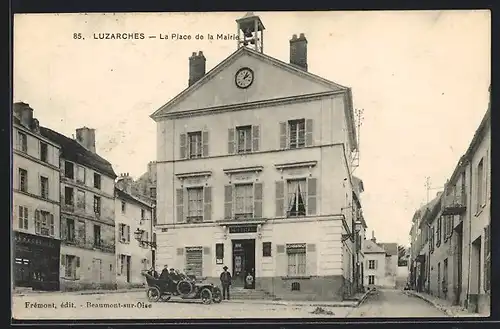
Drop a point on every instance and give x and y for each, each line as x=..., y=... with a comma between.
x=374, y=264
x=459, y=224
x=134, y=232
x=35, y=204
x=231, y=190
x=87, y=213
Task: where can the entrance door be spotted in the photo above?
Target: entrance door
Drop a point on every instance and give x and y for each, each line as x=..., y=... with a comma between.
x=459, y=266
x=22, y=273
x=128, y=268
x=97, y=270
x=243, y=262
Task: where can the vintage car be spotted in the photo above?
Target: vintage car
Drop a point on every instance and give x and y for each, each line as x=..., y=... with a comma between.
x=186, y=288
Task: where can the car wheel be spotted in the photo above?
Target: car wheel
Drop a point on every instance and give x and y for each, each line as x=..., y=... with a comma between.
x=206, y=296
x=217, y=295
x=153, y=294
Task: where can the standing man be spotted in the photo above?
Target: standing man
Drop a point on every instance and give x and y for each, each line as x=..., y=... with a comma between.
x=225, y=279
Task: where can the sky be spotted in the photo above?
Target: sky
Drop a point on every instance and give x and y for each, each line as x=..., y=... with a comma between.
x=421, y=77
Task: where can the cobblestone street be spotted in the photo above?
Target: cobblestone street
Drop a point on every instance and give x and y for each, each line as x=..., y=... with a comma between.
x=394, y=303
x=134, y=305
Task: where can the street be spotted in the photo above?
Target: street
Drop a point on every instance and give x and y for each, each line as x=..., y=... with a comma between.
x=394, y=303
x=134, y=305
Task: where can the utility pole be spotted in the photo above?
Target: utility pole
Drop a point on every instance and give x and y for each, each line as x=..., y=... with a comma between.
x=429, y=187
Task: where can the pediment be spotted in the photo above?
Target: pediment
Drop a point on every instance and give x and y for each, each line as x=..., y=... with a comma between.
x=273, y=79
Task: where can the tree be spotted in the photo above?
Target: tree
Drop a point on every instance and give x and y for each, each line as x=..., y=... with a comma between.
x=402, y=261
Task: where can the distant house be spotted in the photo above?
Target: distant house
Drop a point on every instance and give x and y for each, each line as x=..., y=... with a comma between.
x=381, y=263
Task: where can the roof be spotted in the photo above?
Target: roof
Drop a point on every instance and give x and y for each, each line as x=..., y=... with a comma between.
x=71, y=150
x=245, y=50
x=129, y=197
x=390, y=248
x=371, y=247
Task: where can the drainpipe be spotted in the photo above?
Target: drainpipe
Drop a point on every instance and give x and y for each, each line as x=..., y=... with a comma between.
x=470, y=234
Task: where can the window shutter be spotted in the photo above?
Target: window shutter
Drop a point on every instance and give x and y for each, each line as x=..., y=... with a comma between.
x=204, y=138
x=180, y=251
x=230, y=141
x=207, y=203
x=281, y=261
x=255, y=138
x=180, y=205
x=280, y=198
x=257, y=200
x=311, y=260
x=119, y=264
x=52, y=225
x=376, y=263
x=37, y=221
x=64, y=229
x=283, y=135
x=63, y=260
x=77, y=270
x=127, y=232
x=309, y=132
x=228, y=201
x=183, y=146
x=311, y=196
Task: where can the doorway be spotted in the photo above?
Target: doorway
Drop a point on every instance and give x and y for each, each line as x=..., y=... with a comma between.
x=243, y=263
x=475, y=279
x=97, y=270
x=458, y=259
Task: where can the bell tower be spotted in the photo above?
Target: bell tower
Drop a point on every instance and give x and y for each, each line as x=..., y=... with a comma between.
x=250, y=32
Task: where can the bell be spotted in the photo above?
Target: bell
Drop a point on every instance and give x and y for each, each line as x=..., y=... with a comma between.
x=252, y=41
x=248, y=33
x=245, y=43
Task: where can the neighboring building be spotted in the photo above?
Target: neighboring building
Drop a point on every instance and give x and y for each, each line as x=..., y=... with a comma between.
x=133, y=220
x=381, y=261
x=87, y=213
x=460, y=251
x=146, y=184
x=250, y=155
x=360, y=228
x=35, y=204
x=374, y=264
x=391, y=263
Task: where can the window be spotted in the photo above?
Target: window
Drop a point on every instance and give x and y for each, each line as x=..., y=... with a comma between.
x=69, y=170
x=69, y=198
x=195, y=203
x=195, y=145
x=23, y=218
x=80, y=201
x=22, y=142
x=297, y=130
x=44, y=149
x=371, y=264
x=296, y=259
x=296, y=198
x=80, y=174
x=23, y=180
x=44, y=223
x=70, y=229
x=244, y=139
x=243, y=201
x=194, y=261
x=124, y=233
x=44, y=187
x=266, y=249
x=71, y=264
x=143, y=214
x=219, y=253
x=152, y=192
x=371, y=279
x=445, y=274
x=97, y=180
x=124, y=207
x=97, y=235
x=487, y=259
x=97, y=204
x=438, y=232
x=480, y=186
x=439, y=278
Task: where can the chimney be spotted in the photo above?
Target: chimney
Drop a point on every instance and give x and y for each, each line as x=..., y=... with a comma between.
x=373, y=237
x=24, y=113
x=125, y=182
x=298, y=51
x=86, y=137
x=196, y=67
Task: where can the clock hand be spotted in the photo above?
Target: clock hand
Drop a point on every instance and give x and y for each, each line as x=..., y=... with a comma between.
x=246, y=75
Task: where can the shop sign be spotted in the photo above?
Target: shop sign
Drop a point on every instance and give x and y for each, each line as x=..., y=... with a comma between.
x=296, y=247
x=33, y=240
x=243, y=229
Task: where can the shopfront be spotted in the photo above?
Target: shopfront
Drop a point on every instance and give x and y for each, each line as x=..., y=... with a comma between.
x=36, y=261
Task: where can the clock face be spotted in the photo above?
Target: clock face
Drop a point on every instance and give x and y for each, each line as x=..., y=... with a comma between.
x=244, y=78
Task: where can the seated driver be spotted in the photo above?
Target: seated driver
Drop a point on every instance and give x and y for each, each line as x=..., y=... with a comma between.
x=173, y=275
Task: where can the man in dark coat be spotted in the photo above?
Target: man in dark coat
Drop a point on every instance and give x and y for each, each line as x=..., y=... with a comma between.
x=164, y=273
x=225, y=279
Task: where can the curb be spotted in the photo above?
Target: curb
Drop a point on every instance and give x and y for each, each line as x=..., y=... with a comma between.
x=83, y=292
x=439, y=307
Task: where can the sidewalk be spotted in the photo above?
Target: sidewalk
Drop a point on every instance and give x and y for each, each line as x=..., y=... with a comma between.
x=80, y=292
x=443, y=305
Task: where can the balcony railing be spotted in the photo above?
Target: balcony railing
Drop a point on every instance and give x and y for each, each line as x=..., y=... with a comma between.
x=89, y=244
x=454, y=203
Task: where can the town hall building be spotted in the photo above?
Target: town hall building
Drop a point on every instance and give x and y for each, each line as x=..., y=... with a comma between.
x=254, y=172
